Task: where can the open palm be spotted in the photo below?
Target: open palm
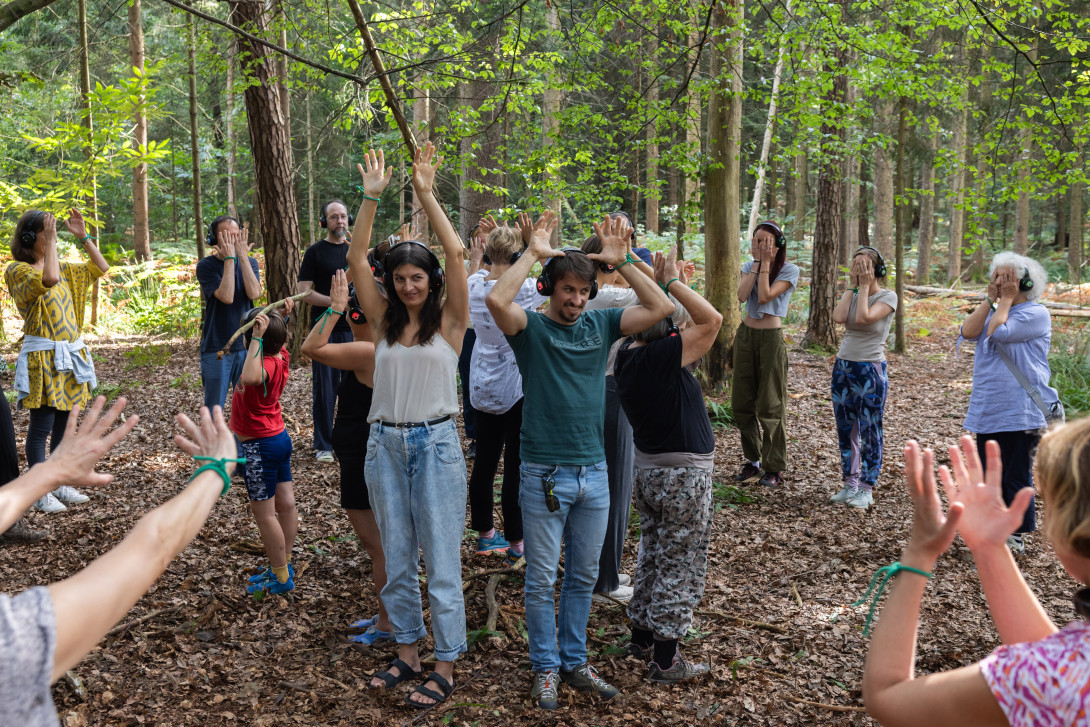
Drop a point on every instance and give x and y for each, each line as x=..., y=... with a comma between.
x=986, y=519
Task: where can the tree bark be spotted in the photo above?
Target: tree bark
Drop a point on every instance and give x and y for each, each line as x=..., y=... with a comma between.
x=820, y=328
x=722, y=251
x=957, y=193
x=312, y=203
x=927, y=213
x=270, y=142
x=798, y=199
x=13, y=11
x=766, y=142
x=863, y=215
x=654, y=194
x=1075, y=229
x=141, y=235
x=1022, y=161
x=194, y=140
x=550, y=110
x=883, y=184
x=900, y=345
x=91, y=201
x=229, y=130
x=484, y=176
x=421, y=121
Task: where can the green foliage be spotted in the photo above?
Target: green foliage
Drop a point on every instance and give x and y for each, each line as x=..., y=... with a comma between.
x=1070, y=364
x=720, y=413
x=731, y=496
x=150, y=299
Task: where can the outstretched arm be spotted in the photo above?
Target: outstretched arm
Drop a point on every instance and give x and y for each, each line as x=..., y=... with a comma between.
x=89, y=603
x=250, y=283
x=349, y=356
x=654, y=305
x=510, y=317
x=77, y=227
x=892, y=695
x=699, y=337
x=253, y=370
x=456, y=306
x=375, y=177
x=72, y=462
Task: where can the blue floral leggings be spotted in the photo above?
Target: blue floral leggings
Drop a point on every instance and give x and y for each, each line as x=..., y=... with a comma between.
x=859, y=400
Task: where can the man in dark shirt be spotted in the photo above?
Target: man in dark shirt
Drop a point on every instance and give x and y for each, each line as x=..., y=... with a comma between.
x=320, y=262
x=229, y=287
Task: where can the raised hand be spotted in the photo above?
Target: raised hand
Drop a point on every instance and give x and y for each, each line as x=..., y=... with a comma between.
x=615, y=235
x=660, y=265
x=1008, y=285
x=260, y=324
x=526, y=227
x=86, y=442
x=338, y=291
x=476, y=250
x=425, y=165
x=671, y=261
x=289, y=306
x=768, y=252
x=486, y=225
x=993, y=286
x=242, y=245
x=75, y=224
x=211, y=438
x=866, y=272
x=932, y=532
x=49, y=228
x=374, y=173
x=987, y=521
x=541, y=235
x=686, y=269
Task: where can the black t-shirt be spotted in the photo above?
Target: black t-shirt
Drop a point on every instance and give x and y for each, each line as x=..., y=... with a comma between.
x=662, y=400
x=320, y=262
x=221, y=319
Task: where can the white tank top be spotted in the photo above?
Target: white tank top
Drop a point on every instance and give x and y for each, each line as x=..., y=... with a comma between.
x=414, y=383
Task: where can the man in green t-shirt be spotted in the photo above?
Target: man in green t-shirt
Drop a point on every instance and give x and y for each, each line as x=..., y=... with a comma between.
x=564, y=492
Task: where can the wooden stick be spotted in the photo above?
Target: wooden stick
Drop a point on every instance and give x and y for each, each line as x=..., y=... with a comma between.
x=278, y=304
x=743, y=621
x=136, y=622
x=490, y=600
x=831, y=707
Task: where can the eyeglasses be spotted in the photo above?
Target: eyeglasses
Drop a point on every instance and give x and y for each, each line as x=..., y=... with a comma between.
x=548, y=482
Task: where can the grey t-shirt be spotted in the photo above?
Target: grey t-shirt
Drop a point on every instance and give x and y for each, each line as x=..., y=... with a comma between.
x=868, y=343
x=28, y=638
x=778, y=305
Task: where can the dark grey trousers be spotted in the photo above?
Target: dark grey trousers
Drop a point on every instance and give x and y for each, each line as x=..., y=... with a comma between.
x=619, y=461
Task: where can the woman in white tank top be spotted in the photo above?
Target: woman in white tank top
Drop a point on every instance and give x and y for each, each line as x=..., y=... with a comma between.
x=415, y=471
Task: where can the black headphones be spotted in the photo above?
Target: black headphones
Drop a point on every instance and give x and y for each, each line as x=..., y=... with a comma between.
x=545, y=282
x=322, y=220
x=210, y=240
x=355, y=312
x=515, y=255
x=673, y=330
x=781, y=241
x=377, y=270
x=435, y=275
x=29, y=235
x=1026, y=282
x=880, y=268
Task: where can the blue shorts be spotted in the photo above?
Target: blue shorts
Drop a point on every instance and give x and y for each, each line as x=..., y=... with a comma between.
x=268, y=461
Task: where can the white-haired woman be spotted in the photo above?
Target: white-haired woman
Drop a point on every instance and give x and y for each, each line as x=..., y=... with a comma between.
x=1010, y=321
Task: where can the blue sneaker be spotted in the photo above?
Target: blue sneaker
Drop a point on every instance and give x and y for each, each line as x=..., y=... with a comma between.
x=370, y=636
x=267, y=575
x=364, y=623
x=273, y=586
x=495, y=544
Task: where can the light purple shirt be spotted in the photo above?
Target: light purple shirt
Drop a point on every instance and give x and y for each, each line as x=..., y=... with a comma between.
x=998, y=403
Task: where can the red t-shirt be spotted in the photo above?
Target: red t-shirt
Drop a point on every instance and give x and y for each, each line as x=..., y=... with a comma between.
x=255, y=413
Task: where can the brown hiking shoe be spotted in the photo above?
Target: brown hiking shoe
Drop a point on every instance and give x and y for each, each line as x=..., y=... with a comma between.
x=20, y=532
x=748, y=474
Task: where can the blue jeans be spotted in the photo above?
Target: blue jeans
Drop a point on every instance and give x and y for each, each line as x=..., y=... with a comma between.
x=324, y=383
x=416, y=479
x=219, y=376
x=583, y=495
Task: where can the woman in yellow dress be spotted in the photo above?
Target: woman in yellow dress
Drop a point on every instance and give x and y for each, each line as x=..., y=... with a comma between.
x=55, y=371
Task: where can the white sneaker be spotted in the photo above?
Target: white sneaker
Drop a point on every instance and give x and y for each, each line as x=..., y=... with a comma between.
x=1017, y=544
x=624, y=579
x=70, y=495
x=846, y=493
x=622, y=594
x=324, y=455
x=863, y=499
x=49, y=503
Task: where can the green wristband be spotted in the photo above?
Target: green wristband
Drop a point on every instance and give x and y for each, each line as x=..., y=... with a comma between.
x=364, y=193
x=672, y=280
x=890, y=570
x=219, y=466
x=618, y=267
x=230, y=257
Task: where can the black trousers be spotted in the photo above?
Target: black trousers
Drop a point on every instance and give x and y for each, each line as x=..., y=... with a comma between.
x=9, y=455
x=43, y=420
x=497, y=433
x=1018, y=450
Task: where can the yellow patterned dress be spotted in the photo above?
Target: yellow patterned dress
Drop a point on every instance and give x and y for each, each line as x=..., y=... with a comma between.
x=57, y=314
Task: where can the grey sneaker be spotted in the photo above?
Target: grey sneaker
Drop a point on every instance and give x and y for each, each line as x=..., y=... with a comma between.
x=20, y=532
x=324, y=455
x=846, y=493
x=544, y=689
x=586, y=678
x=1017, y=544
x=49, y=503
x=70, y=495
x=622, y=594
x=681, y=670
x=863, y=498
x=643, y=653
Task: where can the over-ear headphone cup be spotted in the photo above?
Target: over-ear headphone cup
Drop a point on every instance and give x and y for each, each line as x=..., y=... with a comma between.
x=593, y=289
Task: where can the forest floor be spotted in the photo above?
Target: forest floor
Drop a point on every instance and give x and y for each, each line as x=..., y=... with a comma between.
x=776, y=625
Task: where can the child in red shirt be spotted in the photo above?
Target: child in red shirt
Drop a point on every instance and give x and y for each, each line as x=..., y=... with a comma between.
x=257, y=422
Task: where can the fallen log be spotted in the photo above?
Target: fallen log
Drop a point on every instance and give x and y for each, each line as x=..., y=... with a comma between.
x=1057, y=309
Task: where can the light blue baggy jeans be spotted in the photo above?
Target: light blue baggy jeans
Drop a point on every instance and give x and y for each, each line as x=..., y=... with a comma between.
x=560, y=640
x=416, y=479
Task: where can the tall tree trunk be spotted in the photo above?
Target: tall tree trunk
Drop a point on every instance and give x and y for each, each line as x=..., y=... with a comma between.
x=820, y=329
x=270, y=142
x=550, y=113
x=1060, y=243
x=194, y=140
x=863, y=214
x=1075, y=228
x=229, y=128
x=312, y=202
x=722, y=211
x=421, y=130
x=957, y=192
x=141, y=235
x=798, y=199
x=91, y=201
x=851, y=211
x=692, y=139
x=927, y=212
x=766, y=142
x=883, y=183
x=901, y=201
x=651, y=201
x=1023, y=153
x=484, y=168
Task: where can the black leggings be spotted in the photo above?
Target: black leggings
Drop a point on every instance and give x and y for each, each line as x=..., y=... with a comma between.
x=1017, y=450
x=43, y=420
x=497, y=433
x=9, y=455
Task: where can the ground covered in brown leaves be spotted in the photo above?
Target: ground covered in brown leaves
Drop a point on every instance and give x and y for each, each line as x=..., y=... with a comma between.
x=776, y=623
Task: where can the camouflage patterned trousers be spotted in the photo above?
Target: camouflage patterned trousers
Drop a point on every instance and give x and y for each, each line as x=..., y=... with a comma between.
x=675, y=506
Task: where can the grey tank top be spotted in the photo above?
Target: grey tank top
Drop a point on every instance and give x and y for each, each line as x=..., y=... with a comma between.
x=414, y=383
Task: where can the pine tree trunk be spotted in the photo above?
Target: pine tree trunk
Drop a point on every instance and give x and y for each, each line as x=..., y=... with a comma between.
x=550, y=110
x=798, y=199
x=312, y=203
x=820, y=329
x=141, y=235
x=864, y=216
x=91, y=201
x=194, y=140
x=900, y=345
x=927, y=213
x=722, y=250
x=270, y=142
x=851, y=211
x=1022, y=162
x=651, y=202
x=484, y=168
x=883, y=184
x=957, y=196
x=421, y=130
x=1075, y=229
x=1062, y=213
x=229, y=127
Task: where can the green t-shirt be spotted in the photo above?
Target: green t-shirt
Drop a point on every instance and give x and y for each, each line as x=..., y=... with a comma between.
x=564, y=384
